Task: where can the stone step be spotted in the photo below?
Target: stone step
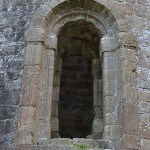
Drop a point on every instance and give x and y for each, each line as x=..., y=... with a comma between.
x=69, y=144
x=79, y=142
x=53, y=147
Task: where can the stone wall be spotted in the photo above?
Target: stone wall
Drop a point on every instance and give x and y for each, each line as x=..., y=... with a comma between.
x=142, y=30
x=134, y=33
x=15, y=18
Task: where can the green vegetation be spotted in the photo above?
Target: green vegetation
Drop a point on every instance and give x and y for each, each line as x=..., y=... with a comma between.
x=81, y=146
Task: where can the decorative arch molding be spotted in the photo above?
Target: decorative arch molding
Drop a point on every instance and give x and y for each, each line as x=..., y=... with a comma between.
x=34, y=120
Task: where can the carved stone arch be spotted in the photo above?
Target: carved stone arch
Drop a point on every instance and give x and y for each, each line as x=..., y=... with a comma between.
x=39, y=66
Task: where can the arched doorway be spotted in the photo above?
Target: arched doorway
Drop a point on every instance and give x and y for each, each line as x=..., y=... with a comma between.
x=46, y=67
x=78, y=46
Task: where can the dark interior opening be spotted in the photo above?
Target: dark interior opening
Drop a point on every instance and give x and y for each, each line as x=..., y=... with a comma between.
x=78, y=45
x=76, y=98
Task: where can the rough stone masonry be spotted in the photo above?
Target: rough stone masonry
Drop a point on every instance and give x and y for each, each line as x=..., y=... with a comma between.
x=29, y=35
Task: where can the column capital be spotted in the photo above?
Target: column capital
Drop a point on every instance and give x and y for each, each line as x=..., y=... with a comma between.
x=51, y=42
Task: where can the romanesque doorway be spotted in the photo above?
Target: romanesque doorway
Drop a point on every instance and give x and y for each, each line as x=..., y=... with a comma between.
x=78, y=48
x=58, y=31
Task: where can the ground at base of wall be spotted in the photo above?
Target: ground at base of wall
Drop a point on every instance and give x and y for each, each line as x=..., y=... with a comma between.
x=69, y=144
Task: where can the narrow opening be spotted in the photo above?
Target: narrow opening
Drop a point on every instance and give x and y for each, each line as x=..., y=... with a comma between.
x=78, y=45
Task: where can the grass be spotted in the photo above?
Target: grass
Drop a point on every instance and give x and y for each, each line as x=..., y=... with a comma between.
x=81, y=146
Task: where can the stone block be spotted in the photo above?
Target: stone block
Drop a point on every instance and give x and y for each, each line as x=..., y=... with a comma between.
x=55, y=124
x=144, y=126
x=109, y=75
x=2, y=128
x=54, y=108
x=60, y=141
x=30, y=95
x=140, y=10
x=32, y=71
x=123, y=25
x=123, y=8
x=128, y=54
x=131, y=119
x=17, y=62
x=58, y=65
x=95, y=65
x=108, y=89
x=10, y=126
x=13, y=74
x=109, y=62
x=145, y=144
x=44, y=147
x=129, y=93
x=56, y=93
x=56, y=79
x=108, y=44
x=97, y=125
x=27, y=119
x=109, y=104
x=131, y=142
x=144, y=95
x=34, y=55
x=8, y=112
x=111, y=118
x=111, y=132
x=9, y=98
x=144, y=107
x=24, y=137
x=35, y=35
x=129, y=78
x=88, y=142
x=132, y=22
x=97, y=99
x=44, y=130
x=97, y=86
x=127, y=39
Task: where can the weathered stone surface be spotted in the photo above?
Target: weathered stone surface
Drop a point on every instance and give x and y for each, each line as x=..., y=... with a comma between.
x=34, y=55
x=134, y=18
x=131, y=142
x=111, y=132
x=131, y=126
x=53, y=147
x=8, y=112
x=35, y=35
x=11, y=98
x=26, y=118
x=144, y=126
x=145, y=144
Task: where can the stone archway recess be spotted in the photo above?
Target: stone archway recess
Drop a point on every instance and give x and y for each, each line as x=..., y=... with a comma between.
x=119, y=91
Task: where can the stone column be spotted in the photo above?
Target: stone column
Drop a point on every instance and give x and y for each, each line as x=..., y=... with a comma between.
x=30, y=93
x=97, y=125
x=44, y=122
x=55, y=100
x=45, y=108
